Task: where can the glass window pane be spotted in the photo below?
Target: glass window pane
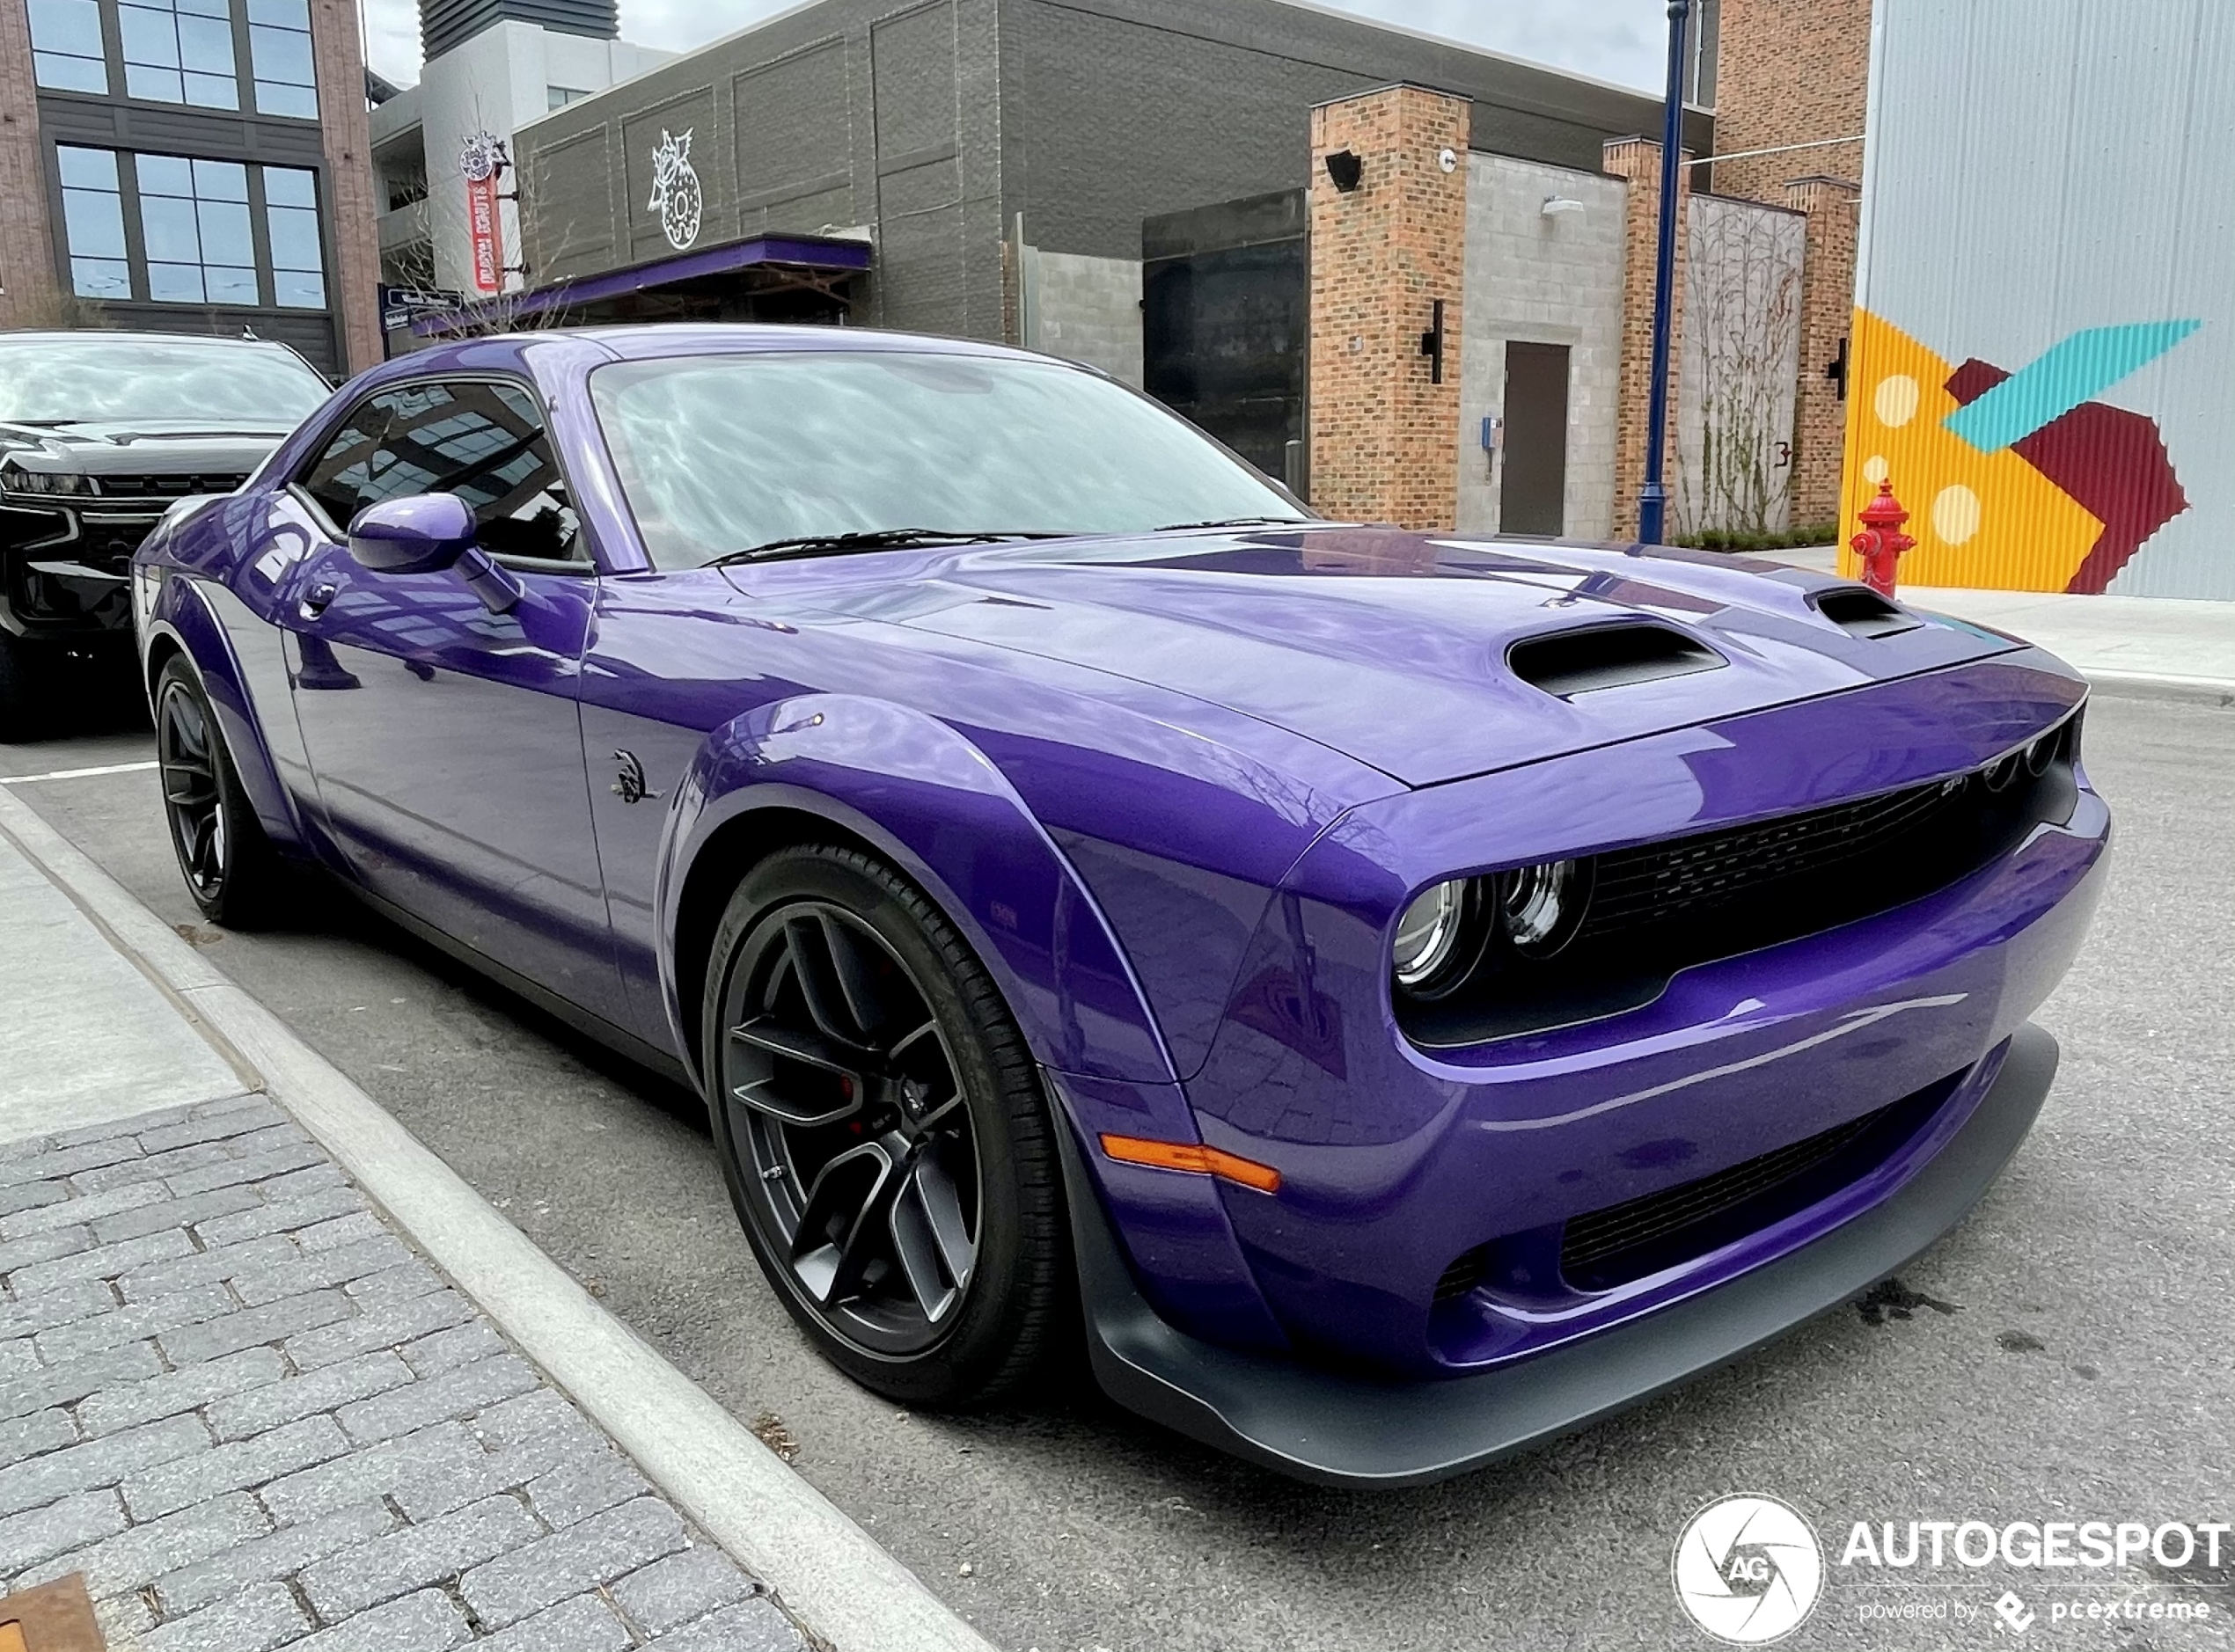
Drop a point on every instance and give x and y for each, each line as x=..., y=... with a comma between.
x=100, y=278
x=230, y=285
x=159, y=84
x=94, y=223
x=213, y=91
x=287, y=14
x=206, y=44
x=290, y=186
x=299, y=289
x=164, y=175
x=175, y=284
x=150, y=38
x=87, y=169
x=67, y=26
x=203, y=8
x=220, y=180
x=58, y=73
x=272, y=98
x=169, y=226
x=295, y=239
x=225, y=233
x=281, y=54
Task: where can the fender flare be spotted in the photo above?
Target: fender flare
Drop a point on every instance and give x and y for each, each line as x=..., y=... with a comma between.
x=181, y=618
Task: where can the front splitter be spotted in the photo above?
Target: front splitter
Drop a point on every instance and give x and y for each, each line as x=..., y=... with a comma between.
x=1337, y=1429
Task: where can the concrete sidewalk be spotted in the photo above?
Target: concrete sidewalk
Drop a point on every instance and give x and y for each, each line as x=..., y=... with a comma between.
x=272, y=1377
x=2146, y=645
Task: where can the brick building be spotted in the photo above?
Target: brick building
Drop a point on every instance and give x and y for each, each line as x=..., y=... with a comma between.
x=188, y=166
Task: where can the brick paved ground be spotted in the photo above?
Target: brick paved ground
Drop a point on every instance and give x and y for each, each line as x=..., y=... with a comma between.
x=254, y=1418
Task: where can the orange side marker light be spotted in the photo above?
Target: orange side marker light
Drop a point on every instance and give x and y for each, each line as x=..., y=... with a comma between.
x=1196, y=1159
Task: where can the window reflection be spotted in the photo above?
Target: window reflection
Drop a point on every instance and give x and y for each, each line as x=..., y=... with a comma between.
x=278, y=49
x=93, y=221
x=66, y=51
x=178, y=51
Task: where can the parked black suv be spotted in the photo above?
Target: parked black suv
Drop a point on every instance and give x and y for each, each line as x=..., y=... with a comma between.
x=100, y=433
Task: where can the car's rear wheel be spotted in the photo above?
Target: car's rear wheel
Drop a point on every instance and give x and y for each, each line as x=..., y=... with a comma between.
x=883, y=1131
x=228, y=863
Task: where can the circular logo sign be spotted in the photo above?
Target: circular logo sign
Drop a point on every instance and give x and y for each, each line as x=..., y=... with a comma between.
x=1749, y=1569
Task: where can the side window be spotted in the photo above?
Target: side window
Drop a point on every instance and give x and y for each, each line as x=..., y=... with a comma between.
x=485, y=442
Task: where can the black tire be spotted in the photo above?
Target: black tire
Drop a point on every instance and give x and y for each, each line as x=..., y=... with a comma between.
x=837, y=995
x=23, y=708
x=228, y=863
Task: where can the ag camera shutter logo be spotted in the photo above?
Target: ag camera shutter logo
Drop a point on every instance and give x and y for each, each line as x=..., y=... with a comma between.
x=1749, y=1570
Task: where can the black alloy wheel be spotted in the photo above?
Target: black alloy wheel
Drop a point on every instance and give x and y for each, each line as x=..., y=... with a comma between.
x=883, y=1131
x=223, y=853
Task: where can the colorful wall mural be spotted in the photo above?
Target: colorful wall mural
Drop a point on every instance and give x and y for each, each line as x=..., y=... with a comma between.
x=2014, y=480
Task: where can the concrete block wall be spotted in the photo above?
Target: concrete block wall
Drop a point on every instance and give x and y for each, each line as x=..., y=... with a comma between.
x=1087, y=308
x=1554, y=280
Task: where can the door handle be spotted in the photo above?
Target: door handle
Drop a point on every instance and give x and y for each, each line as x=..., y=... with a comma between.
x=315, y=600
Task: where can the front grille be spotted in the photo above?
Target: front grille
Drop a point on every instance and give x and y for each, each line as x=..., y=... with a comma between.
x=1604, y=1248
x=1661, y=882
x=151, y=486
x=1464, y=1274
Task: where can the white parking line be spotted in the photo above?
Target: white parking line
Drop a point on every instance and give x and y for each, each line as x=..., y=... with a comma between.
x=78, y=774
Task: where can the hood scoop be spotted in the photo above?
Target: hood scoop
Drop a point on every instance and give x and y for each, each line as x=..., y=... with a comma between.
x=1566, y=663
x=1862, y=613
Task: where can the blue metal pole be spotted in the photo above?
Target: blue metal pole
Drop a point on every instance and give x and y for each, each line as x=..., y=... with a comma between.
x=1652, y=501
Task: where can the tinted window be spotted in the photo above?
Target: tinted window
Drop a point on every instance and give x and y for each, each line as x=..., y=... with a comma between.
x=484, y=443
x=84, y=378
x=721, y=453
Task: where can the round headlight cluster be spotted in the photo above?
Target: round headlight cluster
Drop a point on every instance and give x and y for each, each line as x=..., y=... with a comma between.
x=1533, y=910
x=2042, y=752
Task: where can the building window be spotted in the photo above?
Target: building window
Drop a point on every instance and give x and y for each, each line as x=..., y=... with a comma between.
x=167, y=229
x=291, y=219
x=561, y=96
x=66, y=52
x=179, y=51
x=193, y=215
x=93, y=218
x=279, y=46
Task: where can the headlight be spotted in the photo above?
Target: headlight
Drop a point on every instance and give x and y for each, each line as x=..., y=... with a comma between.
x=2042, y=752
x=14, y=480
x=1541, y=907
x=1429, y=935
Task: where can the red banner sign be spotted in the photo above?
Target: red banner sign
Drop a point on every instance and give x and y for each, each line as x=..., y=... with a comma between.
x=487, y=230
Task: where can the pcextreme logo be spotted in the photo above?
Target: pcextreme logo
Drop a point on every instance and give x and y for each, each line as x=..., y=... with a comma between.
x=1747, y=1569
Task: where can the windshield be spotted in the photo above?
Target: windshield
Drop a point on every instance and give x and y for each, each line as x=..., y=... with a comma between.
x=719, y=454
x=204, y=382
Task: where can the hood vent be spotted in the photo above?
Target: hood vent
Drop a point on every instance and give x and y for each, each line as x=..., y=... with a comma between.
x=1567, y=663
x=1863, y=612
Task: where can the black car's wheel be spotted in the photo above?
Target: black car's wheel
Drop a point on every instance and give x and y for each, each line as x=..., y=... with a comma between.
x=22, y=714
x=883, y=1131
x=229, y=865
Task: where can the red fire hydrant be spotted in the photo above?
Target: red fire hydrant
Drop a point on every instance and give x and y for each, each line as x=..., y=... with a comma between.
x=1882, y=542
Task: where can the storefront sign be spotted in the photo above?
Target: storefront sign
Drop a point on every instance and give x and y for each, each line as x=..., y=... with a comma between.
x=482, y=163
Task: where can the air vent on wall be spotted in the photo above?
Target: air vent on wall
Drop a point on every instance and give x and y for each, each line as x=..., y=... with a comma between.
x=1864, y=612
x=1570, y=663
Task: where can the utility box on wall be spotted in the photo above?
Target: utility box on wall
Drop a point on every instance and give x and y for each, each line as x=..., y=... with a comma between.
x=2044, y=329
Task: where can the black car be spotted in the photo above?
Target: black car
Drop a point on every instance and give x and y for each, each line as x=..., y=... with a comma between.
x=100, y=433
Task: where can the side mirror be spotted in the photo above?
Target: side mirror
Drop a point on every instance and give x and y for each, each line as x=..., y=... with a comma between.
x=419, y=533
x=425, y=533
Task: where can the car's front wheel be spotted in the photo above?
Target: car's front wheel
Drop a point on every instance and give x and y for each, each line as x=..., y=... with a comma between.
x=229, y=865
x=883, y=1131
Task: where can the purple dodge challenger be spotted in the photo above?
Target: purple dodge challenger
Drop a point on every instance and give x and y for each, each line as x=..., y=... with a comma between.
x=1402, y=996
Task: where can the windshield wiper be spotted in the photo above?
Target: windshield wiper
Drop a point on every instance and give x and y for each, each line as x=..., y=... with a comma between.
x=1237, y=522
x=818, y=544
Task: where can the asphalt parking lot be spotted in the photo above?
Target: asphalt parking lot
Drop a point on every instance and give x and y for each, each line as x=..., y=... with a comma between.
x=2066, y=1354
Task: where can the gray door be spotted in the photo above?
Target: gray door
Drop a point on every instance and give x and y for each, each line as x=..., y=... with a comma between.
x=1532, y=497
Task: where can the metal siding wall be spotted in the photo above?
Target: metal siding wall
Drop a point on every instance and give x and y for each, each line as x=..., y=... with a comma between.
x=2039, y=168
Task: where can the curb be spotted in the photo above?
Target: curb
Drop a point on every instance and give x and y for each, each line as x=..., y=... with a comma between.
x=2135, y=685
x=831, y=1574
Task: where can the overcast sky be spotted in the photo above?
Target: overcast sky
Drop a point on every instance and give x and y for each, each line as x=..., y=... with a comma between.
x=1615, y=39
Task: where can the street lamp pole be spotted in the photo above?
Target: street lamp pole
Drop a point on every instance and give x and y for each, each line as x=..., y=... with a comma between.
x=1652, y=501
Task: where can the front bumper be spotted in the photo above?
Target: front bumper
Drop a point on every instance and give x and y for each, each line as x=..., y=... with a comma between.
x=1345, y=1430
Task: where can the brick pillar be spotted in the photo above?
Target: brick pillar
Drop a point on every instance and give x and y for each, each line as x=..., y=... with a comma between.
x=29, y=289
x=1827, y=314
x=1384, y=439
x=338, y=55
x=1636, y=162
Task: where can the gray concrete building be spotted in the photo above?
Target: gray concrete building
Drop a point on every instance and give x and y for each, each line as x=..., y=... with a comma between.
x=1115, y=180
